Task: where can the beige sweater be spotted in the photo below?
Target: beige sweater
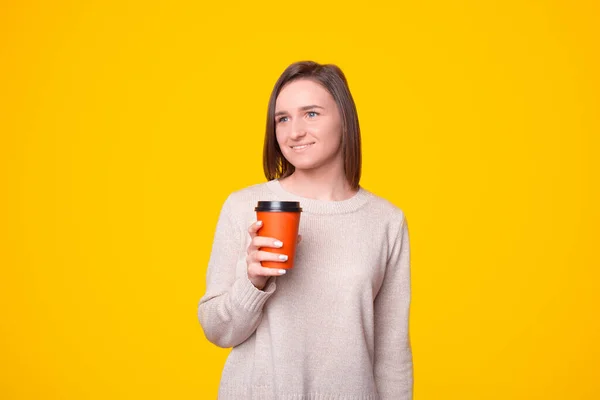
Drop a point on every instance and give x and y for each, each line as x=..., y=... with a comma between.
x=333, y=327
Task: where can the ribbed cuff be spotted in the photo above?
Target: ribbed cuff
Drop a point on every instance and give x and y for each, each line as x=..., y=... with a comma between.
x=245, y=294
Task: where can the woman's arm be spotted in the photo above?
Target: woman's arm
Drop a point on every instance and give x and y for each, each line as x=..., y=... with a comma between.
x=393, y=366
x=231, y=308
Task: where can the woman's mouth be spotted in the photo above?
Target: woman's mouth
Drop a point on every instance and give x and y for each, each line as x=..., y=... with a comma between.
x=299, y=147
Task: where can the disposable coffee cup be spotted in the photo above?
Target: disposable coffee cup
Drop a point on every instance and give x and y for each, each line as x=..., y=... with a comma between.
x=281, y=220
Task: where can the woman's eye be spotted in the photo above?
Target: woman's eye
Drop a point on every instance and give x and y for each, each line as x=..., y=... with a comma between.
x=282, y=119
x=312, y=114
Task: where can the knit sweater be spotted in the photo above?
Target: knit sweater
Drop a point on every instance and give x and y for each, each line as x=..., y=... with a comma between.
x=336, y=325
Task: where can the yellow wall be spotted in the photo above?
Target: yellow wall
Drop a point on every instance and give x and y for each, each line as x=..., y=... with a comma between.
x=124, y=125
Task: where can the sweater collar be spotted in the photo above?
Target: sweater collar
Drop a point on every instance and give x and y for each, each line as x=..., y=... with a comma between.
x=314, y=206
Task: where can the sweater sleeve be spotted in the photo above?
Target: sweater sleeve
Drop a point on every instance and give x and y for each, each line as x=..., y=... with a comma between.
x=231, y=308
x=393, y=364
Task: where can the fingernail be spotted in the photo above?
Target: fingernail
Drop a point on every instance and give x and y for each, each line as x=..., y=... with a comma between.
x=282, y=272
x=283, y=257
x=278, y=243
x=259, y=223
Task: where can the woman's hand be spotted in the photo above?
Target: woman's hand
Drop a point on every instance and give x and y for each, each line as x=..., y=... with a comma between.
x=258, y=274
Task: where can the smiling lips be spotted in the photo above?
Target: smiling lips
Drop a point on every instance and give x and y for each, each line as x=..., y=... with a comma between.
x=302, y=146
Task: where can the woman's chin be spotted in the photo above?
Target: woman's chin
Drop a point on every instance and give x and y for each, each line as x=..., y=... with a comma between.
x=303, y=166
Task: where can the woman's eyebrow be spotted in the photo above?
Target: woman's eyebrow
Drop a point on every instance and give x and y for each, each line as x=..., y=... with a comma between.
x=303, y=108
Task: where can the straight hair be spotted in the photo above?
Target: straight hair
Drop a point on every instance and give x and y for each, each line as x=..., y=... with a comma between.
x=334, y=81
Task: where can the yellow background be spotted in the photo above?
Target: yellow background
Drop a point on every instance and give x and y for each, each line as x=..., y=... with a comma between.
x=124, y=125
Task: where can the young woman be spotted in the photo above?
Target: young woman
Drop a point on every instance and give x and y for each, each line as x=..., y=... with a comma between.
x=336, y=325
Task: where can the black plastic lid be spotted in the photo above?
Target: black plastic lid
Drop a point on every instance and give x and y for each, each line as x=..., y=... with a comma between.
x=278, y=206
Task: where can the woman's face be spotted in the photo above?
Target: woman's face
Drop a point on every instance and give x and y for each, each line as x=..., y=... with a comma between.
x=308, y=126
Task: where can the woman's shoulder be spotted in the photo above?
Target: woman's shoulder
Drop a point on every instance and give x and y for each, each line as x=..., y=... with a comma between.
x=249, y=191
x=386, y=207
x=243, y=198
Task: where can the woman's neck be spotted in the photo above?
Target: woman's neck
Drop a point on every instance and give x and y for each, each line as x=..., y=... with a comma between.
x=328, y=187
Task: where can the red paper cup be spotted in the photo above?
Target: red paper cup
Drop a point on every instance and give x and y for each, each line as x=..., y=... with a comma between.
x=281, y=220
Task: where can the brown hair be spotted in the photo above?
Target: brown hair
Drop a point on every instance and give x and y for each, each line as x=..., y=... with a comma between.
x=333, y=80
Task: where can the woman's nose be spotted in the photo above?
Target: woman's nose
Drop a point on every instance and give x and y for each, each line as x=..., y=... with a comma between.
x=298, y=129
